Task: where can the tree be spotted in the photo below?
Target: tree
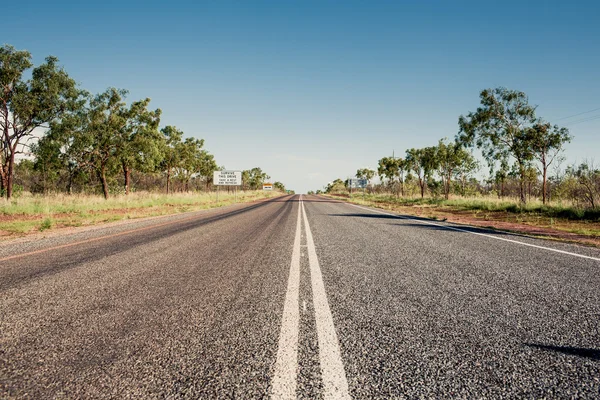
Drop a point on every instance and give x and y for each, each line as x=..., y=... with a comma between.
x=335, y=186
x=365, y=173
x=139, y=141
x=588, y=178
x=422, y=162
x=48, y=161
x=171, y=143
x=101, y=125
x=500, y=128
x=255, y=177
x=463, y=171
x=280, y=186
x=547, y=143
x=450, y=157
x=190, y=153
x=28, y=105
x=392, y=169
x=206, y=167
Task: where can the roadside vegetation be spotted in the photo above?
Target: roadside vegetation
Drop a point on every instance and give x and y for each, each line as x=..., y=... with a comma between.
x=32, y=213
x=526, y=181
x=72, y=158
x=59, y=138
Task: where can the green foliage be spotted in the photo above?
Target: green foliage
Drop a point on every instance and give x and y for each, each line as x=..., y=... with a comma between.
x=546, y=142
x=453, y=161
x=588, y=179
x=365, y=173
x=423, y=163
x=500, y=127
x=254, y=178
x=46, y=224
x=29, y=104
x=336, y=186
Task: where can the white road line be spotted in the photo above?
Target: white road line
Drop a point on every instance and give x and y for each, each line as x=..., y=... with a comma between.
x=335, y=385
x=477, y=233
x=286, y=365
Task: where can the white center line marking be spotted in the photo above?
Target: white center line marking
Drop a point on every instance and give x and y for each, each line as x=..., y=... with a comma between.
x=286, y=365
x=480, y=234
x=335, y=385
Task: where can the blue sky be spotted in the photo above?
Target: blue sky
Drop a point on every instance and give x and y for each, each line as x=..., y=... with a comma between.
x=313, y=90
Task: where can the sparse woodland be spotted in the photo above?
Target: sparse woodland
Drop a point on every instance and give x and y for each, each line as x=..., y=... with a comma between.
x=522, y=153
x=58, y=138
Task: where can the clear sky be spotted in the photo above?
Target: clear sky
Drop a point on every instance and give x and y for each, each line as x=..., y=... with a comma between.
x=313, y=90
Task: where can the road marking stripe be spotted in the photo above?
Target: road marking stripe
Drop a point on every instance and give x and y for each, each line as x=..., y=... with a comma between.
x=286, y=365
x=335, y=385
x=478, y=233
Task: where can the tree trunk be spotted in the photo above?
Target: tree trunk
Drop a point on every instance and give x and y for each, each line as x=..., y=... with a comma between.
x=3, y=179
x=9, y=175
x=544, y=176
x=127, y=177
x=70, y=181
x=102, y=176
x=422, y=184
x=168, y=179
x=4, y=166
x=522, y=183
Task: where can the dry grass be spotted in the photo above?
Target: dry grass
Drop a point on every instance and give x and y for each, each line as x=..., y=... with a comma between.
x=30, y=213
x=505, y=214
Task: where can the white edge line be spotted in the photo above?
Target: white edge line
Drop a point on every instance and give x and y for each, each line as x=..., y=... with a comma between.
x=286, y=365
x=335, y=384
x=476, y=233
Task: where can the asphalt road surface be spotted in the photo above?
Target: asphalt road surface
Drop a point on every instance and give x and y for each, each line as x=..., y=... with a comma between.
x=298, y=297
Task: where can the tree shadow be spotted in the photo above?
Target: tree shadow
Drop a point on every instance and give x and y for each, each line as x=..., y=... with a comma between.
x=430, y=224
x=593, y=354
x=285, y=199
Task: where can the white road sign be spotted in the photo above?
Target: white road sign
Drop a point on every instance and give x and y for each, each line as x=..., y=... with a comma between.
x=358, y=183
x=267, y=186
x=227, y=178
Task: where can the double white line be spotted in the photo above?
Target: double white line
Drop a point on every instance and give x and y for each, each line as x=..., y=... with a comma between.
x=335, y=385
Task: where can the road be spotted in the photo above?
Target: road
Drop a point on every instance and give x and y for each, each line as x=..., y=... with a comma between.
x=298, y=297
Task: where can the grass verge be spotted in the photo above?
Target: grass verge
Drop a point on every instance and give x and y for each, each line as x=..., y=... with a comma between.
x=29, y=213
x=558, y=221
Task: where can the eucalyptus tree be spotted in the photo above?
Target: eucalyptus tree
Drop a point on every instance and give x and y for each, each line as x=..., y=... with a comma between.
x=171, y=145
x=450, y=157
x=139, y=141
x=49, y=161
x=206, y=166
x=99, y=135
x=465, y=170
x=279, y=186
x=106, y=135
x=500, y=127
x=70, y=137
x=336, y=185
x=588, y=179
x=26, y=105
x=245, y=179
x=547, y=143
x=365, y=173
x=423, y=163
x=255, y=177
x=392, y=169
x=190, y=154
